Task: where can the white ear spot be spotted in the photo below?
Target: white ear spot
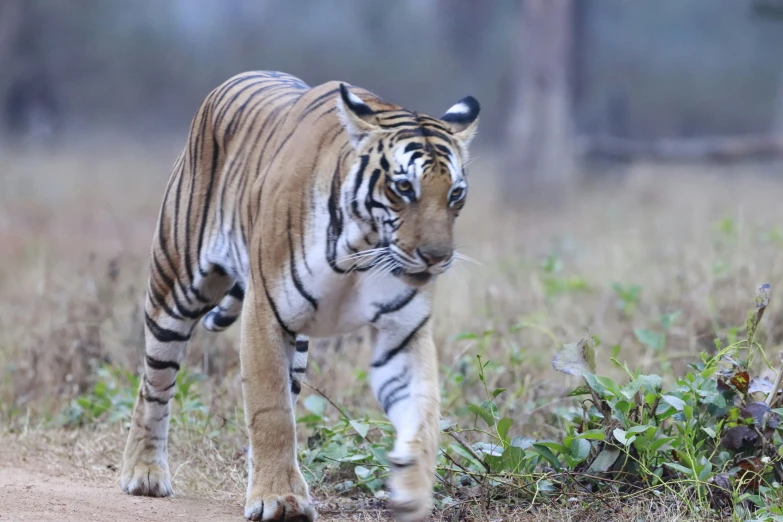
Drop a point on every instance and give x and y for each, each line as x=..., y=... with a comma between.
x=459, y=108
x=462, y=119
x=463, y=113
x=355, y=100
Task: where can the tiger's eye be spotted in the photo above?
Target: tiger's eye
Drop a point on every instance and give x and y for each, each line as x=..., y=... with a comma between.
x=457, y=194
x=403, y=185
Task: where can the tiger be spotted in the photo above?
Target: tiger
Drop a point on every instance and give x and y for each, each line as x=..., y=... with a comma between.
x=308, y=212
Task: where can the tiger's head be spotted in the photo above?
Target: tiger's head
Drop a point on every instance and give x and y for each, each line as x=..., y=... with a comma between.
x=408, y=184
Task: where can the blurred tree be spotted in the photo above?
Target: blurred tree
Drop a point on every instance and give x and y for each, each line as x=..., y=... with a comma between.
x=540, y=128
x=462, y=23
x=773, y=10
x=27, y=92
x=10, y=18
x=777, y=124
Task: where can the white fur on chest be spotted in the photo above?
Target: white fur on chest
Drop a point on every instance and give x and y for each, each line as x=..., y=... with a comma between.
x=349, y=301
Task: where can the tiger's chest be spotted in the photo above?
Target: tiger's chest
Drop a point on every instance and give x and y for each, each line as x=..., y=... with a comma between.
x=326, y=303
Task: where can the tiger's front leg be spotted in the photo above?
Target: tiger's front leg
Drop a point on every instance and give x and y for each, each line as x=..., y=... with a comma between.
x=404, y=379
x=276, y=489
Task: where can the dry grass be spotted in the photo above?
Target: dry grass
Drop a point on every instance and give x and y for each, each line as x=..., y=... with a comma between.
x=75, y=231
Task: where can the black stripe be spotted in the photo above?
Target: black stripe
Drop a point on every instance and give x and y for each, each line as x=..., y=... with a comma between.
x=295, y=272
x=358, y=184
x=263, y=83
x=432, y=133
x=194, y=147
x=395, y=305
x=144, y=392
x=397, y=116
x=391, y=401
x=302, y=234
x=208, y=198
x=176, y=177
x=237, y=292
x=240, y=112
x=167, y=281
x=223, y=321
x=299, y=370
x=335, y=227
x=273, y=306
x=400, y=466
x=311, y=107
x=370, y=201
x=302, y=345
x=391, y=354
x=416, y=155
x=154, y=399
x=295, y=387
x=359, y=108
x=158, y=301
x=194, y=314
x=158, y=419
x=444, y=149
x=163, y=335
x=399, y=124
x=397, y=378
x=158, y=364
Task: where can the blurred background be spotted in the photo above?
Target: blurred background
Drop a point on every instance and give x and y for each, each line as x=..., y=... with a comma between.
x=627, y=169
x=590, y=77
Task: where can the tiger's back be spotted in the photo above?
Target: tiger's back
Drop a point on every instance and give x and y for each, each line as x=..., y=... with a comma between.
x=203, y=228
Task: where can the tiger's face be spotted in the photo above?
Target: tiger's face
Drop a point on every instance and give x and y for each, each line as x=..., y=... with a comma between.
x=409, y=184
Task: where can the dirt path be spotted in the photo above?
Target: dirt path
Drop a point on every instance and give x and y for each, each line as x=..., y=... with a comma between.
x=32, y=495
x=67, y=476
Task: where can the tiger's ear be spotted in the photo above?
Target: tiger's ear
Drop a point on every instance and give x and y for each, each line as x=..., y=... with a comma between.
x=462, y=119
x=357, y=117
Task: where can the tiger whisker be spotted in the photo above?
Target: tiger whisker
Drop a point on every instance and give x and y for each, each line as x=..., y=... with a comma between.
x=471, y=160
x=463, y=257
x=363, y=262
x=361, y=255
x=386, y=266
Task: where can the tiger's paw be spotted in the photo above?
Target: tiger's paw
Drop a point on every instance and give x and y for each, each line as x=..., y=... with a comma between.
x=411, y=490
x=148, y=480
x=280, y=507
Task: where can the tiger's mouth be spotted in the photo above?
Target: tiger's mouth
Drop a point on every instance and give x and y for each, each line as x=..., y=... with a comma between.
x=408, y=268
x=419, y=278
x=414, y=278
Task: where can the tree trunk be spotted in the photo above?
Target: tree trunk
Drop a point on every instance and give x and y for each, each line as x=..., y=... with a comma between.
x=10, y=22
x=777, y=122
x=29, y=107
x=540, y=132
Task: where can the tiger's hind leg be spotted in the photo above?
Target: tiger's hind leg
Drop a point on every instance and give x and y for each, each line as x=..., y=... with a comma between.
x=172, y=310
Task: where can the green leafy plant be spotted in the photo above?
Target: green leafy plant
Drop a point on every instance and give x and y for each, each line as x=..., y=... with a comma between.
x=707, y=439
x=112, y=397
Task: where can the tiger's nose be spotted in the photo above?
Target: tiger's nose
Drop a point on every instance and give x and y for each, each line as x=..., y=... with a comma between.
x=433, y=256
